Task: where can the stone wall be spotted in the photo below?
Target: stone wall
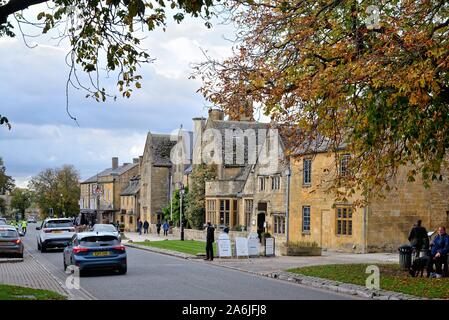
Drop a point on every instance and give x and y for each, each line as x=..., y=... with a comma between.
x=159, y=190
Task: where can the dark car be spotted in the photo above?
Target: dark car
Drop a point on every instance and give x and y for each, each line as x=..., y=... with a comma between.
x=94, y=251
x=10, y=242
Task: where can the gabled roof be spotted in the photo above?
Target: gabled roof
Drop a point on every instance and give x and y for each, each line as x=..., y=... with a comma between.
x=133, y=187
x=109, y=172
x=161, y=147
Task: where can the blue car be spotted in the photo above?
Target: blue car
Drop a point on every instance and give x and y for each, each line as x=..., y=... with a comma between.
x=94, y=251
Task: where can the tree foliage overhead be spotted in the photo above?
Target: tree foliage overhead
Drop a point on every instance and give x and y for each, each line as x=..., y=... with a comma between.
x=104, y=36
x=58, y=189
x=330, y=69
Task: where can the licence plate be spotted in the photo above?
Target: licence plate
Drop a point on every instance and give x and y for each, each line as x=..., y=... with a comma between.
x=100, y=253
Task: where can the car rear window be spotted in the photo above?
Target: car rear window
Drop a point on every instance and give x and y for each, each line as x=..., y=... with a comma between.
x=105, y=228
x=8, y=234
x=58, y=224
x=94, y=241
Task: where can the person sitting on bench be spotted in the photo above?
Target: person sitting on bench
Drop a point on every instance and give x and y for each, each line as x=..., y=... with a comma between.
x=438, y=254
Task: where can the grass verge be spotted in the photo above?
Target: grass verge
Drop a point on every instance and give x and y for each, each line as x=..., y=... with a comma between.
x=187, y=246
x=392, y=278
x=8, y=292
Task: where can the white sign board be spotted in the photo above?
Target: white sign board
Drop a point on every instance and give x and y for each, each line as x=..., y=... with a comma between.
x=241, y=247
x=269, y=246
x=224, y=245
x=253, y=244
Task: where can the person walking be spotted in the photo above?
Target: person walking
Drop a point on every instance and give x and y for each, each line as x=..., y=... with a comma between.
x=438, y=253
x=158, y=227
x=210, y=242
x=166, y=226
x=418, y=238
x=146, y=225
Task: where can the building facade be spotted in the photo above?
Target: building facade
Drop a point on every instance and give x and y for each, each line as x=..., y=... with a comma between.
x=155, y=177
x=100, y=194
x=129, y=204
x=381, y=225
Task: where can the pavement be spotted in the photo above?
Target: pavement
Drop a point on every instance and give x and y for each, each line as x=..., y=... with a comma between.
x=28, y=273
x=161, y=277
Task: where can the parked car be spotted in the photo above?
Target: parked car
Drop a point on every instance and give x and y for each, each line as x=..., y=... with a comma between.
x=10, y=242
x=95, y=250
x=54, y=233
x=106, y=228
x=31, y=220
x=3, y=221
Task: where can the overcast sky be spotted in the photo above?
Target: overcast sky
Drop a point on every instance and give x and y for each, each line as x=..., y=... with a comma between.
x=32, y=91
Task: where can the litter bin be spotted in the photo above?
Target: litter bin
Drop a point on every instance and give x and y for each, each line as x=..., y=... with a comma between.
x=405, y=256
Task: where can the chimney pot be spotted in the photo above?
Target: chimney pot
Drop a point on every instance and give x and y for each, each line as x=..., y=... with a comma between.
x=216, y=114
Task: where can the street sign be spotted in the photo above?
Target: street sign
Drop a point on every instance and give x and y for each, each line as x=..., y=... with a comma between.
x=269, y=247
x=224, y=246
x=241, y=247
x=253, y=244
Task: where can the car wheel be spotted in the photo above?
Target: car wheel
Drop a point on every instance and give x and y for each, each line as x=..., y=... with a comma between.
x=122, y=270
x=38, y=246
x=43, y=248
x=20, y=255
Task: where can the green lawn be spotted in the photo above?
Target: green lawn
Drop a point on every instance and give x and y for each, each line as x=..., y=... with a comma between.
x=392, y=278
x=188, y=246
x=8, y=292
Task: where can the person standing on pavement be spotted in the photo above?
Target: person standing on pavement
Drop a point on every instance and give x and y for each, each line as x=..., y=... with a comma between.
x=210, y=242
x=146, y=225
x=158, y=227
x=139, y=227
x=418, y=238
x=166, y=227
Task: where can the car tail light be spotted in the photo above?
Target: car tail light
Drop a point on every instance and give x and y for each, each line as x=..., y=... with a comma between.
x=77, y=250
x=47, y=230
x=18, y=241
x=120, y=248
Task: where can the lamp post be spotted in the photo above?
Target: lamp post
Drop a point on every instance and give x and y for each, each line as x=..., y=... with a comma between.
x=181, y=194
x=287, y=200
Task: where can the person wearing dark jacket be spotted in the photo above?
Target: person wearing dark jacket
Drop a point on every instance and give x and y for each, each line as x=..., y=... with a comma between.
x=210, y=242
x=418, y=238
x=438, y=254
x=146, y=225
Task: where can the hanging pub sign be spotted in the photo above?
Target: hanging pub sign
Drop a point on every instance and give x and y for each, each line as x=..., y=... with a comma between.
x=241, y=247
x=269, y=247
x=224, y=245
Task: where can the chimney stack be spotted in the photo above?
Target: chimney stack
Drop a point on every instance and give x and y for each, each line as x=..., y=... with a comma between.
x=114, y=163
x=216, y=114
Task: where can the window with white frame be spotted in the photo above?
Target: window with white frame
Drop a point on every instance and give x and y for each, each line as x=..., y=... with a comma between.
x=279, y=223
x=306, y=219
x=307, y=171
x=261, y=183
x=275, y=183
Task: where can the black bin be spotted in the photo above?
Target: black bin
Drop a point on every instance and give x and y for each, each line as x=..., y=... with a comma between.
x=405, y=256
